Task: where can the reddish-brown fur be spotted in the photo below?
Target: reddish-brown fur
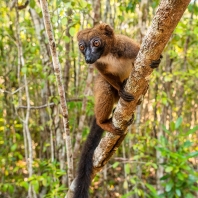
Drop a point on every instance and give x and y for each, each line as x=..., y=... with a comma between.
x=113, y=56
x=114, y=66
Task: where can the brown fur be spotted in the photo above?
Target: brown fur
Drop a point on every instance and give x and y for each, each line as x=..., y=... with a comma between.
x=114, y=66
x=113, y=56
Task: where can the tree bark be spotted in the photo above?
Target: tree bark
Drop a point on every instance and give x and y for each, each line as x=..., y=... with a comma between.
x=164, y=22
x=166, y=18
x=57, y=70
x=97, y=15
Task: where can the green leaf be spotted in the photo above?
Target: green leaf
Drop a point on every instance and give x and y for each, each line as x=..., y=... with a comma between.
x=24, y=184
x=191, y=131
x=189, y=195
x=11, y=188
x=66, y=39
x=32, y=3
x=83, y=4
x=127, y=168
x=169, y=186
x=115, y=164
x=193, y=154
x=187, y=144
x=168, y=78
x=178, y=192
x=64, y=21
x=172, y=126
x=165, y=177
x=151, y=188
x=24, y=70
x=13, y=147
x=35, y=184
x=165, y=130
x=180, y=176
x=168, y=169
x=54, y=18
x=72, y=31
x=125, y=184
x=178, y=122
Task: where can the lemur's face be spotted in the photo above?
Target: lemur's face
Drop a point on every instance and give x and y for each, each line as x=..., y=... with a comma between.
x=95, y=42
x=92, y=49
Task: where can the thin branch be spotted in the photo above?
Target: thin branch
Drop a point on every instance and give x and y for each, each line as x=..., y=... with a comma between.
x=36, y=107
x=49, y=105
x=26, y=131
x=57, y=70
x=14, y=92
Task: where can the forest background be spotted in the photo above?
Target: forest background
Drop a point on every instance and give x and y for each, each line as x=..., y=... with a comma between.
x=158, y=158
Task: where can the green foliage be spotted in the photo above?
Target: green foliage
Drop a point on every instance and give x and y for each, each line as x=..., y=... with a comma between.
x=180, y=177
x=136, y=174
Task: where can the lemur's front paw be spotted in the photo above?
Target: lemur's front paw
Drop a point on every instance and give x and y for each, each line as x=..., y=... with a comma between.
x=156, y=63
x=125, y=95
x=131, y=120
x=118, y=131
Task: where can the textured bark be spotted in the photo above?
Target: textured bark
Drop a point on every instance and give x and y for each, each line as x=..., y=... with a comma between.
x=67, y=50
x=97, y=15
x=166, y=18
x=57, y=70
x=143, y=18
x=57, y=148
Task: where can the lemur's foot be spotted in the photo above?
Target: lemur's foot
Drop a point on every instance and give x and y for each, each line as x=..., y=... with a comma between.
x=156, y=63
x=125, y=95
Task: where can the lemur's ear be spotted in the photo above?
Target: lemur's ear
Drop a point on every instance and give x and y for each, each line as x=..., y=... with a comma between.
x=108, y=30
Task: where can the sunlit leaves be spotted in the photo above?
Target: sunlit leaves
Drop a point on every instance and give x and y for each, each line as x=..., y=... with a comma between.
x=180, y=176
x=32, y=3
x=72, y=31
x=178, y=122
x=116, y=164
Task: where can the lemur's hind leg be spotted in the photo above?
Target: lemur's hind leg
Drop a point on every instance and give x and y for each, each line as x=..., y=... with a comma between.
x=105, y=97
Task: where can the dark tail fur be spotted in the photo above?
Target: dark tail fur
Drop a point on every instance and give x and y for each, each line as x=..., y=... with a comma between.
x=85, y=166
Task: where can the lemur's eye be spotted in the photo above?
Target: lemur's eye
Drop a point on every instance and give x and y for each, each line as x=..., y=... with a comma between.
x=81, y=47
x=96, y=43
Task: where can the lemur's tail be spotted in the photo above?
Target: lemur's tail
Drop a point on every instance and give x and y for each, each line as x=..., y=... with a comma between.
x=85, y=166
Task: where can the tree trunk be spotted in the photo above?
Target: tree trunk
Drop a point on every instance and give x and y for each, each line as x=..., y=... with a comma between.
x=57, y=70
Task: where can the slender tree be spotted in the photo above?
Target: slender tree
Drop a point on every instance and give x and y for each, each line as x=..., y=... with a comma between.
x=61, y=90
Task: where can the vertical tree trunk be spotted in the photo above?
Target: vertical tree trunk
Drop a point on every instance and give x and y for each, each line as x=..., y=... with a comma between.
x=97, y=13
x=181, y=97
x=26, y=115
x=143, y=18
x=57, y=147
x=57, y=70
x=67, y=50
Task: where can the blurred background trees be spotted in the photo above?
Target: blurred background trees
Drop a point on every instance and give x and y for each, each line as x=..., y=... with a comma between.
x=159, y=154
